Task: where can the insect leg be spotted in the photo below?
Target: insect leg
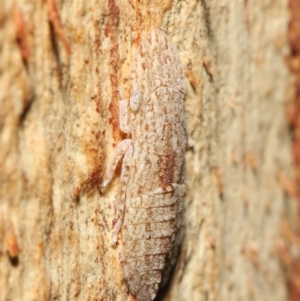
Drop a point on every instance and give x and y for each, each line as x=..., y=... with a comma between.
x=120, y=150
x=123, y=117
x=121, y=195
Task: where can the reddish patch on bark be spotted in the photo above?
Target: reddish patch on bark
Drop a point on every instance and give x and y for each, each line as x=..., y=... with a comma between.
x=217, y=173
x=76, y=194
x=89, y=186
x=111, y=32
x=54, y=18
x=294, y=118
x=21, y=34
x=11, y=241
x=97, y=98
x=148, y=15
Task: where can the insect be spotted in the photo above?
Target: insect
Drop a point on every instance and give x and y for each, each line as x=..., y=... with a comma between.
x=149, y=202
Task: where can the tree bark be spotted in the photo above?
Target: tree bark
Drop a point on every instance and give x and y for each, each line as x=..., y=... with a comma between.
x=61, y=66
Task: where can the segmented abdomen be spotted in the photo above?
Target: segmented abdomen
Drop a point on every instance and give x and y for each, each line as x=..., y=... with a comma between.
x=151, y=235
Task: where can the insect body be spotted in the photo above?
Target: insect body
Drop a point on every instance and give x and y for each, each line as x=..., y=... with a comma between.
x=149, y=203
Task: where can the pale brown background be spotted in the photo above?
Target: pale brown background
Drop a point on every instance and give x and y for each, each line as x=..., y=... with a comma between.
x=60, y=69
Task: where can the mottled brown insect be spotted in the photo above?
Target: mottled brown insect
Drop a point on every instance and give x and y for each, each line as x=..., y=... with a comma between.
x=149, y=203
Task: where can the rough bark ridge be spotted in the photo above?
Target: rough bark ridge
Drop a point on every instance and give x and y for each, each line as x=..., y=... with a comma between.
x=61, y=64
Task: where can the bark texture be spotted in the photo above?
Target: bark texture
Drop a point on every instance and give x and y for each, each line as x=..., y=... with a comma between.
x=293, y=110
x=61, y=64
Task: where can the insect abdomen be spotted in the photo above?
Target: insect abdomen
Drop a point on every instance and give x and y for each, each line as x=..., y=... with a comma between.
x=151, y=236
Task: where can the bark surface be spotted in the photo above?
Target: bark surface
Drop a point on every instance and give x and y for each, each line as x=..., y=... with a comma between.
x=61, y=64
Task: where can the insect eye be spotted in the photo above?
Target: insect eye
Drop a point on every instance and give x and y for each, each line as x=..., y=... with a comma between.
x=135, y=100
